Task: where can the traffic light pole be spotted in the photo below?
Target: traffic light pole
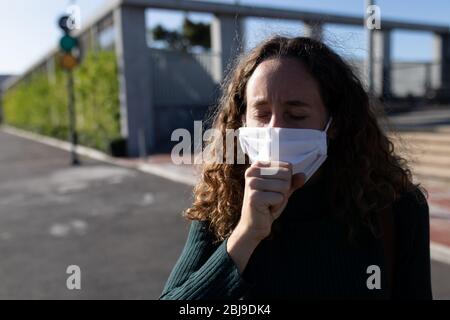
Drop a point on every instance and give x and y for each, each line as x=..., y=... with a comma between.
x=69, y=46
x=72, y=118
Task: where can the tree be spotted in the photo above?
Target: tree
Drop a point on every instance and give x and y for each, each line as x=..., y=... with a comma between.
x=192, y=34
x=197, y=34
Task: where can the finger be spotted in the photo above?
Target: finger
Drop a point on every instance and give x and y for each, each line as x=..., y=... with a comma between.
x=264, y=184
x=268, y=198
x=283, y=164
x=272, y=170
x=265, y=164
x=272, y=173
x=275, y=167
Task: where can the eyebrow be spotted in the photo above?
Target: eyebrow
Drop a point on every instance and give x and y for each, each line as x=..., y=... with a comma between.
x=293, y=102
x=299, y=103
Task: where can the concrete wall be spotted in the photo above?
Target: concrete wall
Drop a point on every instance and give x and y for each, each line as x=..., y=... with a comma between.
x=184, y=87
x=182, y=78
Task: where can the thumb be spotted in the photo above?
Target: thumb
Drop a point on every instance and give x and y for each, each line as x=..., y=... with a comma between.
x=298, y=180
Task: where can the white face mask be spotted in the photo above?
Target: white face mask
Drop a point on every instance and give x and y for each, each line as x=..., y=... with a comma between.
x=305, y=149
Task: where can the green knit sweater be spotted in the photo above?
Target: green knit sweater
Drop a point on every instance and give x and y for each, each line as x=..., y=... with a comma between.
x=310, y=257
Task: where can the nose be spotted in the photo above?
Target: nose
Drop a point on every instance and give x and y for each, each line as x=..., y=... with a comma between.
x=276, y=121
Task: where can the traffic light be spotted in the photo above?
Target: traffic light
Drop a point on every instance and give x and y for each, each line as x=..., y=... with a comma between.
x=69, y=46
x=68, y=43
x=68, y=60
x=63, y=24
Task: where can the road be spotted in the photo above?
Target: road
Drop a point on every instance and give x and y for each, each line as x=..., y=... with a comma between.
x=122, y=227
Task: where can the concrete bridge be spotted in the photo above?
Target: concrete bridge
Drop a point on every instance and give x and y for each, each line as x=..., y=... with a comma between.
x=141, y=112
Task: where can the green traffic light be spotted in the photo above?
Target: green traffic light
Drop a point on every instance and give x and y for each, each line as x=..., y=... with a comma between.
x=67, y=43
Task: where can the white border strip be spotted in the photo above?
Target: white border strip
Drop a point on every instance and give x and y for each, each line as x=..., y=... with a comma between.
x=438, y=252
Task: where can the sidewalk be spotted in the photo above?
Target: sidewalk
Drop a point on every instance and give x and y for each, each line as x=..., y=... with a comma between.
x=439, y=203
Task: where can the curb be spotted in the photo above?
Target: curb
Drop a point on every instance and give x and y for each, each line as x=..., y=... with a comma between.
x=155, y=169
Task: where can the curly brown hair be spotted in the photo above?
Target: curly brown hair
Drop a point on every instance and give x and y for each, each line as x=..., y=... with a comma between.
x=364, y=173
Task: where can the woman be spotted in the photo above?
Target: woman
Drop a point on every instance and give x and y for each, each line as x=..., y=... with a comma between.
x=357, y=227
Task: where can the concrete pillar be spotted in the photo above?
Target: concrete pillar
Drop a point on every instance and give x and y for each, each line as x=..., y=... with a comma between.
x=441, y=61
x=94, y=37
x=51, y=69
x=226, y=42
x=1, y=103
x=313, y=29
x=382, y=63
x=136, y=102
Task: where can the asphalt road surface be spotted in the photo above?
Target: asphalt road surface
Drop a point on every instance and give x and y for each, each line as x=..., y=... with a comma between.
x=123, y=228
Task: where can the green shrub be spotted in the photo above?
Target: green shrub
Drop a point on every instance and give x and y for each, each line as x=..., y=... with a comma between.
x=39, y=103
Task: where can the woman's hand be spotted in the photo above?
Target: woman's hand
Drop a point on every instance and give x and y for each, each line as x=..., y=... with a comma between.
x=268, y=186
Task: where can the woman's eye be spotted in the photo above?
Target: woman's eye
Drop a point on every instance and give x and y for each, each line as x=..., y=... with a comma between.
x=298, y=117
x=262, y=115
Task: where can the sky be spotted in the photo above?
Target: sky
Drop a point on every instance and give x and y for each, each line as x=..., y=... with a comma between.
x=28, y=28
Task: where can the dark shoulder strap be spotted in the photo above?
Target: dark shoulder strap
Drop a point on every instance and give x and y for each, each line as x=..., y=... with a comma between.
x=387, y=225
